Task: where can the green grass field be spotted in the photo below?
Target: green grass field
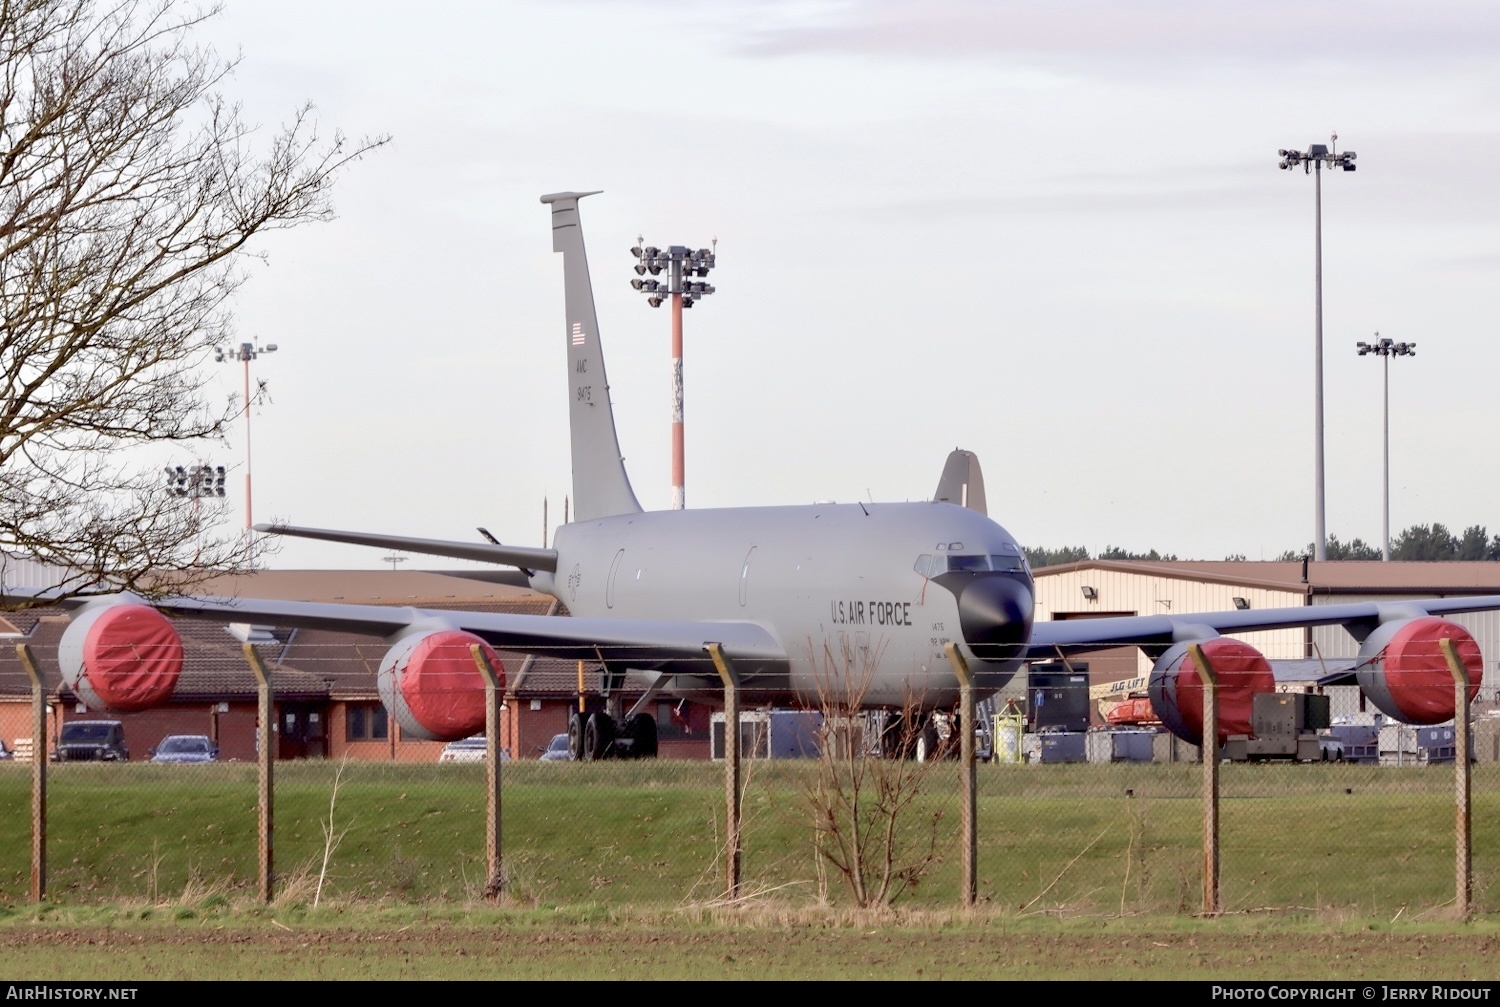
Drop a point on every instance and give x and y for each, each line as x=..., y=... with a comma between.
x=1055, y=841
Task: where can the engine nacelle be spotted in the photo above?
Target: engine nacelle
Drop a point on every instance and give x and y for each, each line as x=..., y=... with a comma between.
x=121, y=655
x=1402, y=669
x=1177, y=692
x=429, y=684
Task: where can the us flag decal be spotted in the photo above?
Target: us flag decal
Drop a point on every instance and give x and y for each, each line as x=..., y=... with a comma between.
x=577, y=333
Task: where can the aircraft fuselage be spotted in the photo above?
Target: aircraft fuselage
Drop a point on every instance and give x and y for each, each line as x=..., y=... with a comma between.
x=855, y=594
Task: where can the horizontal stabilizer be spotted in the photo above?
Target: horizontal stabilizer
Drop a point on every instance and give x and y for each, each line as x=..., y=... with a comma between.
x=483, y=552
x=510, y=578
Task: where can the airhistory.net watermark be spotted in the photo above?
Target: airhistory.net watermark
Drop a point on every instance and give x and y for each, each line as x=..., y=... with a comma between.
x=68, y=991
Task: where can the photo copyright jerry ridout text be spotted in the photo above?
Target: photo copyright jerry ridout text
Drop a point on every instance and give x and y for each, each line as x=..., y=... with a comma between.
x=1374, y=991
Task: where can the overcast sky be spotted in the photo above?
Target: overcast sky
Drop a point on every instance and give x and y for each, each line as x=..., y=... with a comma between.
x=1054, y=234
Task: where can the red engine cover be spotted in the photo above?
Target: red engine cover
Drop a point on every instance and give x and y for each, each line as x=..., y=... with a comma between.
x=121, y=656
x=1403, y=671
x=430, y=685
x=1177, y=693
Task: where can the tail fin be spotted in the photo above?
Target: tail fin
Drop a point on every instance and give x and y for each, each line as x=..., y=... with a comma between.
x=600, y=486
x=962, y=482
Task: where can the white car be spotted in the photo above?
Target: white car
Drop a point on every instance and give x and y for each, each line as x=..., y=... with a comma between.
x=468, y=750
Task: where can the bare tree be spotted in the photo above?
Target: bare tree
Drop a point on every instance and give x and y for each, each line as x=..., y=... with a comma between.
x=130, y=190
x=871, y=824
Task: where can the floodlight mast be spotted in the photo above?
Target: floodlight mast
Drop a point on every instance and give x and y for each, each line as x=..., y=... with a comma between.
x=1312, y=160
x=680, y=262
x=245, y=353
x=1386, y=349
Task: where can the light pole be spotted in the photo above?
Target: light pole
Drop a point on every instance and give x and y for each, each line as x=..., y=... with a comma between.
x=245, y=352
x=1313, y=160
x=1386, y=349
x=681, y=263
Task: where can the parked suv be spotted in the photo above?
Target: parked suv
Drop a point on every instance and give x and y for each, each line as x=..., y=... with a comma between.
x=91, y=740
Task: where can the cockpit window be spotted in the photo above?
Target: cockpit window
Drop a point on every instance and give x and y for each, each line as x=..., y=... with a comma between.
x=1010, y=561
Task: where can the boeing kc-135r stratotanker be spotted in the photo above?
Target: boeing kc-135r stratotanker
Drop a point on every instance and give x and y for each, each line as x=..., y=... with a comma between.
x=883, y=586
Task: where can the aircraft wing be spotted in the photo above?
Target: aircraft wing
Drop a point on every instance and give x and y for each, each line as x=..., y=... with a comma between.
x=506, y=555
x=1048, y=639
x=659, y=645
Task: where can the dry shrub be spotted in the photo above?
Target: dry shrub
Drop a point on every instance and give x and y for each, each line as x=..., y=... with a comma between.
x=871, y=828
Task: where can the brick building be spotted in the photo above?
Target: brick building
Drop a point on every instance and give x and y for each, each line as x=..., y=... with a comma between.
x=324, y=681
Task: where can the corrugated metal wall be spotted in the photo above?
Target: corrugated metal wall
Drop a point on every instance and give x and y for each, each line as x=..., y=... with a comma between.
x=1130, y=593
x=18, y=572
x=1122, y=592
x=1333, y=642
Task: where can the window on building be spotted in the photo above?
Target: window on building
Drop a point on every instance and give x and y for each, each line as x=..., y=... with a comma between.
x=365, y=722
x=672, y=721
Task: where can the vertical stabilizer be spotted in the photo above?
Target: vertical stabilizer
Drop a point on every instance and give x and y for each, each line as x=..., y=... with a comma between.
x=962, y=482
x=600, y=486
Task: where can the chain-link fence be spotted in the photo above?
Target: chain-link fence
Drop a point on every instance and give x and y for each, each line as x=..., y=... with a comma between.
x=838, y=805
x=1067, y=839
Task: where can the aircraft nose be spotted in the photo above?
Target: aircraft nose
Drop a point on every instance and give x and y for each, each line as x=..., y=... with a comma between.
x=995, y=614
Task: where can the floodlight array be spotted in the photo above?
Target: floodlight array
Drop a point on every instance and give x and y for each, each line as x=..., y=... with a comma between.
x=681, y=263
x=1386, y=348
x=1316, y=155
x=245, y=352
x=195, y=481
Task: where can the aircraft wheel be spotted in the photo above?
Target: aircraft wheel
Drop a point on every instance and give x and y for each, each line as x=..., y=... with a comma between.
x=642, y=733
x=927, y=745
x=575, y=736
x=598, y=736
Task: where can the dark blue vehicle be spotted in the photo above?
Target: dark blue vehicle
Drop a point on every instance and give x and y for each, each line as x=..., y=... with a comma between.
x=185, y=748
x=557, y=749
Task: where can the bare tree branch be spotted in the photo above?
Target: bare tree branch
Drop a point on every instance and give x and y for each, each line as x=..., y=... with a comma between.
x=131, y=191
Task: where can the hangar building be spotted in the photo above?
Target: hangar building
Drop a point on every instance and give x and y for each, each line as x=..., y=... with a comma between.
x=1301, y=657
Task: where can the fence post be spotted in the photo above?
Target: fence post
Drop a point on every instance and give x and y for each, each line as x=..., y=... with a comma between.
x=732, y=848
x=265, y=714
x=968, y=815
x=495, y=886
x=1464, y=867
x=38, y=774
x=1210, y=752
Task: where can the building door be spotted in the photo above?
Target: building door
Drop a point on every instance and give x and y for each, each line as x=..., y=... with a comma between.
x=303, y=731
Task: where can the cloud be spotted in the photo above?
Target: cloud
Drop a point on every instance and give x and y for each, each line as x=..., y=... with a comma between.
x=1188, y=32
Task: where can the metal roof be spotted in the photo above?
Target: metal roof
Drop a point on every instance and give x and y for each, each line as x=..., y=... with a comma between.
x=1352, y=577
